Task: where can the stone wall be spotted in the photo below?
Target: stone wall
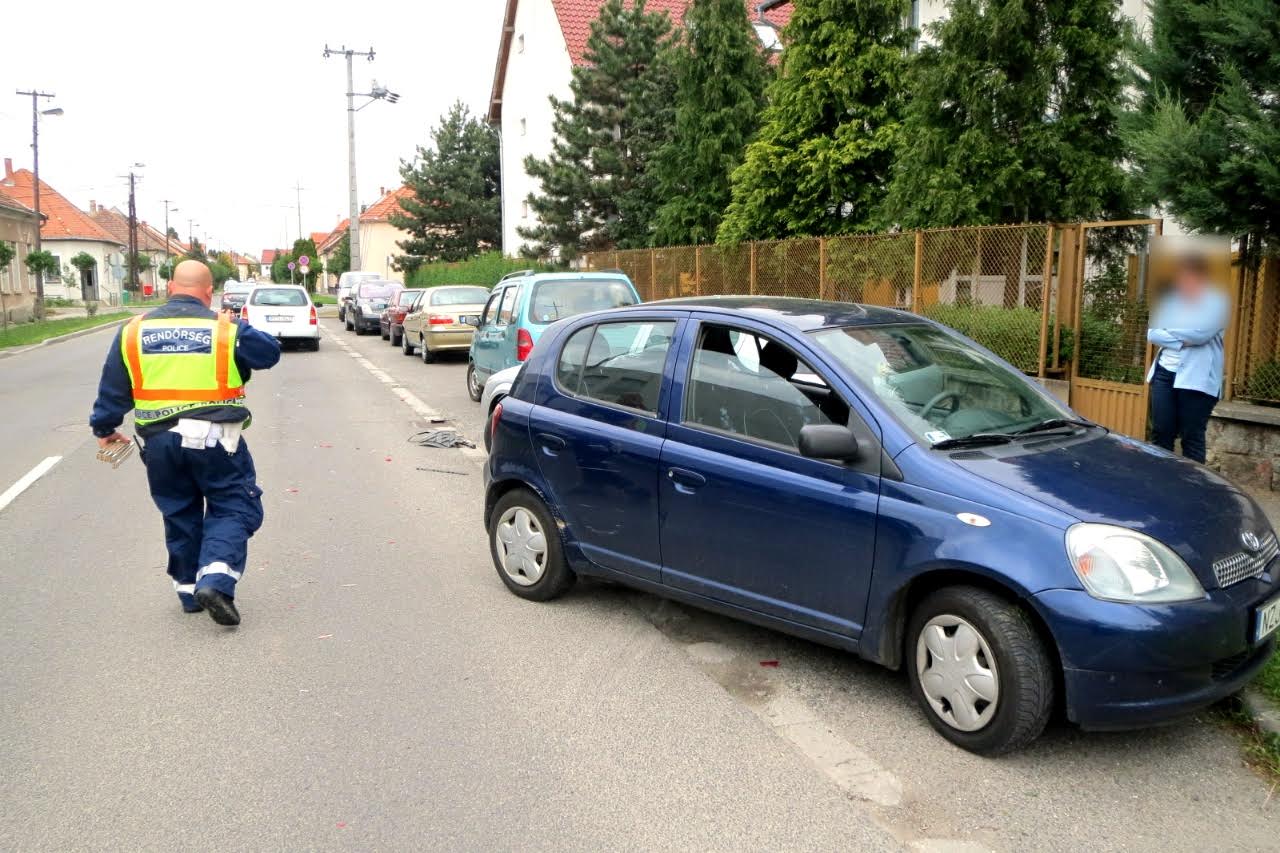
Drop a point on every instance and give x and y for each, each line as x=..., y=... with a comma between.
x=1244, y=444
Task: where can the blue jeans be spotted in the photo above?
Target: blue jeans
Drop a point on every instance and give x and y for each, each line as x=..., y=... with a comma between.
x=1179, y=413
x=211, y=505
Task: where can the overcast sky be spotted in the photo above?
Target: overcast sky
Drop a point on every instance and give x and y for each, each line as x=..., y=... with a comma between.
x=229, y=104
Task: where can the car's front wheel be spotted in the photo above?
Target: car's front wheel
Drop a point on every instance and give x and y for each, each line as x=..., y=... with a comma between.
x=526, y=548
x=979, y=670
x=349, y=324
x=475, y=388
x=342, y=314
x=406, y=344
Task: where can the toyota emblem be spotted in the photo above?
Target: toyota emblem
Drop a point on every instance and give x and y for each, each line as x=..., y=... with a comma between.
x=1250, y=540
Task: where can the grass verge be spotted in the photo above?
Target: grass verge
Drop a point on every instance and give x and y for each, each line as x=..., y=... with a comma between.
x=25, y=334
x=324, y=299
x=1268, y=681
x=1261, y=750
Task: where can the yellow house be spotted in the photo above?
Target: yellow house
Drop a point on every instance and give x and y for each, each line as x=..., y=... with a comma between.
x=378, y=237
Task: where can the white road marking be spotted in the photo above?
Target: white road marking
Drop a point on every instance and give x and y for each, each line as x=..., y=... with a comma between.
x=27, y=479
x=421, y=409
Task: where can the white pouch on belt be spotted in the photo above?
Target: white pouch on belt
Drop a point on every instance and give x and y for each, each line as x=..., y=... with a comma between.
x=197, y=434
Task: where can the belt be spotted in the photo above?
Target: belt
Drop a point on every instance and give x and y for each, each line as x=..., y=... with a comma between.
x=198, y=435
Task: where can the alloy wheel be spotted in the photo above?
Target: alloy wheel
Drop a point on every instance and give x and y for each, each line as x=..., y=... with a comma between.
x=957, y=672
x=522, y=546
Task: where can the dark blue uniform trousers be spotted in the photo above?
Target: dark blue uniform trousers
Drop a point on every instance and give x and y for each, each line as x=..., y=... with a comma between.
x=211, y=505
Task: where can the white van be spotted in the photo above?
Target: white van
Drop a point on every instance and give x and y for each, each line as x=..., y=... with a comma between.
x=346, y=281
x=283, y=310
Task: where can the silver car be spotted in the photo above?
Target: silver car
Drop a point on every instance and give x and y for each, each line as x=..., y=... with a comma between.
x=497, y=387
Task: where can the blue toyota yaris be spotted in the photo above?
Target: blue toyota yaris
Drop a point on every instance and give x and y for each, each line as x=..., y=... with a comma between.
x=869, y=479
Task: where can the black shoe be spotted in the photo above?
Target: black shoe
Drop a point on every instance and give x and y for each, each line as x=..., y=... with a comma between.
x=221, y=608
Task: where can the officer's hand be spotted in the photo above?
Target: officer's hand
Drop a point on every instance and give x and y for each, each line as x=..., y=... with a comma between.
x=115, y=436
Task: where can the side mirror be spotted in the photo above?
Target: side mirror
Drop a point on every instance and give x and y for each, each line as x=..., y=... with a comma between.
x=473, y=321
x=828, y=441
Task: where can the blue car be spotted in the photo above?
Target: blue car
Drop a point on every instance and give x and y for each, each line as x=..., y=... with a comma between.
x=524, y=303
x=869, y=479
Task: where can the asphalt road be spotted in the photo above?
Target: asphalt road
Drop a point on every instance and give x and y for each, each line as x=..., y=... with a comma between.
x=386, y=692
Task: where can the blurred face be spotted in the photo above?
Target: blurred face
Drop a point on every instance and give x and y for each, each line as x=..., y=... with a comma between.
x=1190, y=277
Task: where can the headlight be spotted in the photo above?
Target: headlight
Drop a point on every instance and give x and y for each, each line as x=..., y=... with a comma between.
x=1118, y=564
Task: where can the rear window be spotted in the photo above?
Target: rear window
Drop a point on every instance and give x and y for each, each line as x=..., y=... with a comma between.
x=377, y=291
x=555, y=300
x=460, y=296
x=279, y=296
x=237, y=287
x=408, y=297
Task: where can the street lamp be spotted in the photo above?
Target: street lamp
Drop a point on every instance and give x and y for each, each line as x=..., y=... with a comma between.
x=377, y=93
x=36, y=112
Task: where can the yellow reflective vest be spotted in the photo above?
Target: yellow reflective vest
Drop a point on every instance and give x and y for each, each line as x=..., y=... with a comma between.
x=180, y=365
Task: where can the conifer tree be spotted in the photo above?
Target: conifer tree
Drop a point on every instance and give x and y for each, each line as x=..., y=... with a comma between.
x=821, y=158
x=1207, y=133
x=720, y=79
x=597, y=184
x=454, y=211
x=1013, y=116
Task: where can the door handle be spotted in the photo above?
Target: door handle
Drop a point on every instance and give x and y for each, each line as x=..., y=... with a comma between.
x=685, y=480
x=551, y=442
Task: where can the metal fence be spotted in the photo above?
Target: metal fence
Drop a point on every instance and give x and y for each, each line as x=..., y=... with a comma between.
x=1255, y=374
x=987, y=282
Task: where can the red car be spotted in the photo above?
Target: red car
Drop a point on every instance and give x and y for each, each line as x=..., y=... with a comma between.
x=391, y=320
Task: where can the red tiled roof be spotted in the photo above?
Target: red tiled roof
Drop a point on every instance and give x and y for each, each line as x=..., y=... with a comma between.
x=318, y=237
x=269, y=255
x=116, y=224
x=575, y=17
x=10, y=203
x=64, y=221
x=385, y=206
x=334, y=236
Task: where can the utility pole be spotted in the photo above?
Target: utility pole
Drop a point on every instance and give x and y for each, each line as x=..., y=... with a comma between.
x=35, y=96
x=167, y=210
x=353, y=228
x=133, y=233
x=298, y=187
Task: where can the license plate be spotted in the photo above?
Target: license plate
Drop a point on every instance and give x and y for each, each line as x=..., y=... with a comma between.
x=278, y=318
x=1267, y=620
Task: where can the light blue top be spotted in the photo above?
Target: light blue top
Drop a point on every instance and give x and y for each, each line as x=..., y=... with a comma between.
x=1194, y=329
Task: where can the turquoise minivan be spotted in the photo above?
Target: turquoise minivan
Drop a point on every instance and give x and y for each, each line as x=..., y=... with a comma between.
x=524, y=303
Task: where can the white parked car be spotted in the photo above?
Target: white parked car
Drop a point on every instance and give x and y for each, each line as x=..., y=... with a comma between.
x=495, y=388
x=283, y=310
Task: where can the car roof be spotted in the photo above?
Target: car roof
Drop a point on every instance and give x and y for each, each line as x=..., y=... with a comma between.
x=273, y=286
x=804, y=315
x=568, y=276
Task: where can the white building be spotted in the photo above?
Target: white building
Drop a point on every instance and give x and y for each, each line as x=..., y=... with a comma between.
x=542, y=40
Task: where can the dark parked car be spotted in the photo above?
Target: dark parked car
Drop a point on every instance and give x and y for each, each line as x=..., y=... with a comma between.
x=391, y=320
x=234, y=294
x=364, y=308
x=869, y=479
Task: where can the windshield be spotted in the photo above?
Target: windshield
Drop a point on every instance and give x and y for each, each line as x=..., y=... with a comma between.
x=555, y=300
x=279, y=296
x=380, y=291
x=937, y=385
x=459, y=296
x=408, y=297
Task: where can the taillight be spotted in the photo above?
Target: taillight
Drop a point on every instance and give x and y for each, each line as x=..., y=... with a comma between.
x=439, y=320
x=493, y=421
x=524, y=344
x=244, y=313
x=313, y=315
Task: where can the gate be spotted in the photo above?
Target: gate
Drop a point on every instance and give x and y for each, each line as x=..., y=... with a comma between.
x=1105, y=269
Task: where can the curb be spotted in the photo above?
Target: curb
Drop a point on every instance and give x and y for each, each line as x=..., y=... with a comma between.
x=79, y=333
x=1264, y=713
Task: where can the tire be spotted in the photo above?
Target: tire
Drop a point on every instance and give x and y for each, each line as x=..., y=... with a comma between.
x=520, y=522
x=428, y=357
x=395, y=339
x=406, y=346
x=350, y=326
x=474, y=391
x=342, y=314
x=1022, y=674
x=386, y=336
x=314, y=346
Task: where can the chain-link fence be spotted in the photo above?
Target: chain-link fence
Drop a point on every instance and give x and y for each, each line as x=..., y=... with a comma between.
x=1114, y=303
x=986, y=282
x=1257, y=358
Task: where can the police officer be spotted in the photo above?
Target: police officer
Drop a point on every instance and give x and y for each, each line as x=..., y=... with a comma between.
x=182, y=369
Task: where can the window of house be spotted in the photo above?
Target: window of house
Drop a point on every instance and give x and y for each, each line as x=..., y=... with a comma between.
x=755, y=388
x=520, y=43
x=621, y=364
x=54, y=277
x=6, y=275
x=524, y=209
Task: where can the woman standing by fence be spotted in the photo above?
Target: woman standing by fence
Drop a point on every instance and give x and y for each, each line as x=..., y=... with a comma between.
x=1187, y=325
